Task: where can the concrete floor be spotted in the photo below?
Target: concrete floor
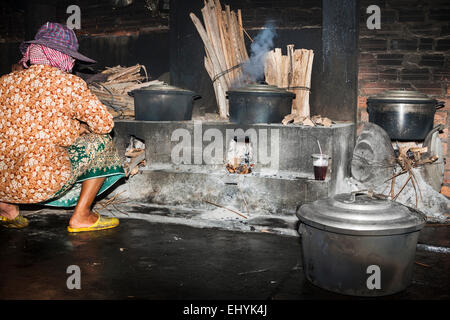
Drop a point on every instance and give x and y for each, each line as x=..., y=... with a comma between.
x=145, y=260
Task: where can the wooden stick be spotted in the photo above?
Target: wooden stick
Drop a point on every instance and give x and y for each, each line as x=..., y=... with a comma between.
x=422, y=264
x=126, y=71
x=220, y=206
x=231, y=46
x=403, y=187
x=246, y=33
x=306, y=107
x=291, y=74
x=211, y=31
x=224, y=47
x=214, y=62
x=223, y=37
x=241, y=36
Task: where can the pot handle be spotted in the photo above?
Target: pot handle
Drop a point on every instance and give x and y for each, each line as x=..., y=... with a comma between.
x=196, y=96
x=440, y=104
x=301, y=229
x=438, y=128
x=131, y=93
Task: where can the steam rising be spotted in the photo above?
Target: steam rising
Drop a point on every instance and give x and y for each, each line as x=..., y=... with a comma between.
x=253, y=68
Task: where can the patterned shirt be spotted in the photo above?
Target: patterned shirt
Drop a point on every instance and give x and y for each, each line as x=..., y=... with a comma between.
x=40, y=109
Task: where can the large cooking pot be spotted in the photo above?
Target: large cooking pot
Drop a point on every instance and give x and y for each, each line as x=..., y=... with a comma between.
x=358, y=245
x=163, y=103
x=405, y=115
x=259, y=103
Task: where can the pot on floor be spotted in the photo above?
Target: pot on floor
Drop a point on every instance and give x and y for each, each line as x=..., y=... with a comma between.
x=358, y=245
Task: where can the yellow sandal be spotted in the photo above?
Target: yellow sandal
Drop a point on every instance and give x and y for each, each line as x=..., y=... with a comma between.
x=18, y=222
x=102, y=223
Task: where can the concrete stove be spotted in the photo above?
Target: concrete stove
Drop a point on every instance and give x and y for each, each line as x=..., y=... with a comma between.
x=186, y=164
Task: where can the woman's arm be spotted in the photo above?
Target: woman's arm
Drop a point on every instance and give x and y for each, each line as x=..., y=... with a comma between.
x=88, y=108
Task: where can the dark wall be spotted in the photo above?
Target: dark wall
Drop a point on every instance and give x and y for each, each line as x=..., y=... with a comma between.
x=133, y=34
x=410, y=51
x=150, y=49
x=297, y=22
x=10, y=54
x=110, y=34
x=339, y=70
x=306, y=24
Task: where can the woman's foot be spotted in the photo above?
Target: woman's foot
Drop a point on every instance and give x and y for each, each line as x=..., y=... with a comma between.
x=83, y=219
x=101, y=223
x=10, y=217
x=8, y=210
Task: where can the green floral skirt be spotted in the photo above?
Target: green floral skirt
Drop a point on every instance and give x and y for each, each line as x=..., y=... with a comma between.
x=91, y=156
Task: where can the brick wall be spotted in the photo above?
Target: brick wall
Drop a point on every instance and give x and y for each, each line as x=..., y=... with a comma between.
x=412, y=51
x=102, y=18
x=286, y=14
x=97, y=18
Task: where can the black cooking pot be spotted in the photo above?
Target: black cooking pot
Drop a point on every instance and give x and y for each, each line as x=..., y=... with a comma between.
x=404, y=115
x=163, y=103
x=259, y=103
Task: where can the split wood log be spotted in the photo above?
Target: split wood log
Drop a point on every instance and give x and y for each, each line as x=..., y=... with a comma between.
x=223, y=37
x=241, y=37
x=113, y=86
x=137, y=157
x=292, y=72
x=223, y=103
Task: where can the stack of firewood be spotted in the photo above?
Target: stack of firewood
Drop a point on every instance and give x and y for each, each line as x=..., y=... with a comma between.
x=223, y=37
x=135, y=157
x=410, y=156
x=292, y=72
x=112, y=86
x=313, y=121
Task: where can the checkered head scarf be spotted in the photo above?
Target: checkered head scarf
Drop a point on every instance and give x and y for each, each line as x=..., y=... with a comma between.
x=39, y=54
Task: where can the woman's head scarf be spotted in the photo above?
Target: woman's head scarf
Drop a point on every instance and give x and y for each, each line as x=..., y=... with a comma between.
x=39, y=54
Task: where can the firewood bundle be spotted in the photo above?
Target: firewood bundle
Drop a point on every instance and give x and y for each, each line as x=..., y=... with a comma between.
x=112, y=86
x=239, y=169
x=223, y=38
x=313, y=121
x=135, y=157
x=291, y=72
x=119, y=74
x=408, y=157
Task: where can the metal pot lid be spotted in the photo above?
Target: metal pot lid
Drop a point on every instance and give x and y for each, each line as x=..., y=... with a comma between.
x=401, y=96
x=260, y=89
x=360, y=214
x=165, y=88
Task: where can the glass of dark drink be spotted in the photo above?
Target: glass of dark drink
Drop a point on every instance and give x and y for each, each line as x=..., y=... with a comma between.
x=320, y=163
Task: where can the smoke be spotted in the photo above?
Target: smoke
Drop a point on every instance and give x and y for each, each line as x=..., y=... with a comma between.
x=253, y=68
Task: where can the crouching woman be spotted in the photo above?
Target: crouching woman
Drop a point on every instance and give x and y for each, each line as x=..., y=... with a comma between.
x=55, y=148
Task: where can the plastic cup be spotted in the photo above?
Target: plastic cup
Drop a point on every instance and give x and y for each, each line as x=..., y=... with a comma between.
x=320, y=163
